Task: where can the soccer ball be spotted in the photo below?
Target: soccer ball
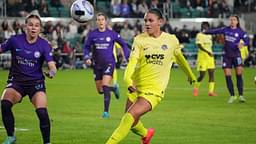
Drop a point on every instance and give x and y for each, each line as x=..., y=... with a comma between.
x=255, y=79
x=81, y=11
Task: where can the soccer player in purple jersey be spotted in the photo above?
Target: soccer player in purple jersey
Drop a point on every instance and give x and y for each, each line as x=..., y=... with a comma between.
x=102, y=40
x=29, y=51
x=232, y=56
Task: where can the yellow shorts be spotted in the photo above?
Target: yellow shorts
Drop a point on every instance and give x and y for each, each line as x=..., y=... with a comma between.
x=152, y=98
x=205, y=64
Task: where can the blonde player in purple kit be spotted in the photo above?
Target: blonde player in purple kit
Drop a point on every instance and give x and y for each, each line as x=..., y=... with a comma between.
x=232, y=55
x=101, y=42
x=29, y=51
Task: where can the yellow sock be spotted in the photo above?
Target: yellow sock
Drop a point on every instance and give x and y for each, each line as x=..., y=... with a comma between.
x=122, y=130
x=211, y=86
x=139, y=129
x=114, y=77
x=197, y=85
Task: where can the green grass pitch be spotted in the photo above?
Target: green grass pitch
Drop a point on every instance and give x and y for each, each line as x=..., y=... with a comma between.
x=75, y=109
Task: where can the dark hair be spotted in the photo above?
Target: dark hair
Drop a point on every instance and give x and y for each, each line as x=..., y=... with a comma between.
x=102, y=14
x=33, y=16
x=157, y=12
x=237, y=17
x=205, y=23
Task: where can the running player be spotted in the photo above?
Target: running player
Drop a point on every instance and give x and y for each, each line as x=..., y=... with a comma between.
x=147, y=75
x=102, y=42
x=205, y=59
x=29, y=51
x=232, y=56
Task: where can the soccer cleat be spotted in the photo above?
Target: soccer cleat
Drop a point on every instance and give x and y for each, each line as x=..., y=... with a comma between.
x=10, y=140
x=105, y=115
x=231, y=99
x=242, y=99
x=147, y=138
x=212, y=94
x=116, y=91
x=195, y=91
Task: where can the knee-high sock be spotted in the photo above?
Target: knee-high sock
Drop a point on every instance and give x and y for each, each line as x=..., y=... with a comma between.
x=139, y=129
x=230, y=86
x=211, y=87
x=239, y=83
x=122, y=130
x=7, y=117
x=106, y=91
x=45, y=126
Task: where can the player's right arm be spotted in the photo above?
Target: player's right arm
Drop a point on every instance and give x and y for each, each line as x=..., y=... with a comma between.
x=133, y=60
x=87, y=47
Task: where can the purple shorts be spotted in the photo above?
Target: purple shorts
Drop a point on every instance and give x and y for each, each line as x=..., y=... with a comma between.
x=229, y=62
x=27, y=89
x=107, y=69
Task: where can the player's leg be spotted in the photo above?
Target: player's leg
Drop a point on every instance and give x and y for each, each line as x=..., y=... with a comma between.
x=201, y=67
x=98, y=84
x=227, y=68
x=130, y=119
x=106, y=81
x=239, y=78
x=115, y=87
x=211, y=83
x=139, y=128
x=39, y=101
x=9, y=97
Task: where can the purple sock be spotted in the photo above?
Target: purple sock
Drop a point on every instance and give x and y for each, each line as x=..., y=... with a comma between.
x=239, y=84
x=230, y=85
x=106, y=91
x=7, y=117
x=45, y=125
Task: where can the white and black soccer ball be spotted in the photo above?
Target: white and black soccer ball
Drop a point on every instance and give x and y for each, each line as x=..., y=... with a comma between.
x=81, y=11
x=255, y=79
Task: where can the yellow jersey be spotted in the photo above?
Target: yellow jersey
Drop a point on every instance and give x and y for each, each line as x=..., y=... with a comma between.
x=244, y=51
x=206, y=42
x=150, y=62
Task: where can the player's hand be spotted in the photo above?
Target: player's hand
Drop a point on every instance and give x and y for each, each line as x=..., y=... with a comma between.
x=191, y=81
x=132, y=89
x=88, y=62
x=49, y=75
x=240, y=45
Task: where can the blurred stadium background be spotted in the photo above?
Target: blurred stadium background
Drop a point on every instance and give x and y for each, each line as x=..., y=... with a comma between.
x=183, y=18
x=74, y=105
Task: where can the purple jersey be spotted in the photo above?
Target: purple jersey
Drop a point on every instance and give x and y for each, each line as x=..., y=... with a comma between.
x=103, y=44
x=232, y=39
x=27, y=59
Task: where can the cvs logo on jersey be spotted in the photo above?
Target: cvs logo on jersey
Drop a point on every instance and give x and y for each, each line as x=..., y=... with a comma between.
x=154, y=59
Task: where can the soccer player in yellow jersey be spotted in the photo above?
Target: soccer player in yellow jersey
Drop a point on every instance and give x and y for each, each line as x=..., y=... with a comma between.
x=147, y=75
x=244, y=51
x=205, y=59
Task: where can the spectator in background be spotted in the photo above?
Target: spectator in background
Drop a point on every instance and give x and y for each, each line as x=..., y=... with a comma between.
x=115, y=8
x=16, y=27
x=6, y=30
x=125, y=9
x=134, y=8
x=142, y=7
x=43, y=9
x=126, y=33
x=56, y=3
x=31, y=5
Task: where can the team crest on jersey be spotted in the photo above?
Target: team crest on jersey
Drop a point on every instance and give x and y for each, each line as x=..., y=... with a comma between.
x=236, y=34
x=108, y=39
x=37, y=54
x=164, y=47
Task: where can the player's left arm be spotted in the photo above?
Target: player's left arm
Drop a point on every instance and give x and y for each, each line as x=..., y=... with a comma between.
x=48, y=56
x=182, y=62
